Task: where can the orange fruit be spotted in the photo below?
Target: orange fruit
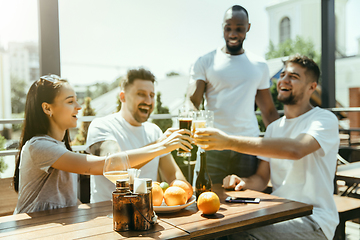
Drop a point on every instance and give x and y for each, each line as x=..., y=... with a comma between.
x=184, y=185
x=155, y=182
x=175, y=196
x=208, y=203
x=157, y=194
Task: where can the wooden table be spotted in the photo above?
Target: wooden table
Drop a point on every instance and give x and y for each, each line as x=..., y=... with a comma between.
x=236, y=217
x=90, y=221
x=350, y=173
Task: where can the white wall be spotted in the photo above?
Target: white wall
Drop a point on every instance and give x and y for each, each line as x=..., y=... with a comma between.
x=347, y=75
x=305, y=20
x=19, y=61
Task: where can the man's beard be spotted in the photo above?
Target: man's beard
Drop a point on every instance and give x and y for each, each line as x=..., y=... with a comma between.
x=290, y=100
x=234, y=49
x=141, y=119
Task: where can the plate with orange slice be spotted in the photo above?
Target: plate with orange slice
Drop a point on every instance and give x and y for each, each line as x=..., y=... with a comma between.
x=163, y=208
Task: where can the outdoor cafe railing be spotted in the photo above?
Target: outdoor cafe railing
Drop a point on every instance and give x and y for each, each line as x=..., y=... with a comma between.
x=154, y=116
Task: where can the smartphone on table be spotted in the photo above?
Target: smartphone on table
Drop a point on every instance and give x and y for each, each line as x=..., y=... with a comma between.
x=242, y=200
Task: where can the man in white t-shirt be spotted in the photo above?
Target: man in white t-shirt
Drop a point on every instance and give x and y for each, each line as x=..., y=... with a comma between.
x=128, y=130
x=233, y=80
x=298, y=153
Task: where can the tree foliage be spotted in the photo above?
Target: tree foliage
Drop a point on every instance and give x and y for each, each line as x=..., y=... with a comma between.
x=18, y=95
x=100, y=88
x=118, y=106
x=118, y=82
x=172, y=73
x=278, y=105
x=3, y=165
x=80, y=138
x=159, y=109
x=290, y=47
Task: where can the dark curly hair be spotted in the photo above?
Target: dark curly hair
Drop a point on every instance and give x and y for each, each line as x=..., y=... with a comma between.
x=312, y=69
x=133, y=74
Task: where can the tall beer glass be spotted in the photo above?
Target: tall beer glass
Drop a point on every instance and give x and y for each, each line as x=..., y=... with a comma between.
x=185, y=121
x=202, y=119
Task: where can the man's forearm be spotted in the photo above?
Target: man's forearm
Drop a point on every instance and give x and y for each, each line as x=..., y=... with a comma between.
x=139, y=157
x=272, y=148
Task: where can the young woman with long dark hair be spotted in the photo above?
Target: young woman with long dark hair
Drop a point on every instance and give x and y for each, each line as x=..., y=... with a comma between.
x=45, y=161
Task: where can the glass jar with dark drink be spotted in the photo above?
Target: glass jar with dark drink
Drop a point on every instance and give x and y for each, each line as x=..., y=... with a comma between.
x=185, y=122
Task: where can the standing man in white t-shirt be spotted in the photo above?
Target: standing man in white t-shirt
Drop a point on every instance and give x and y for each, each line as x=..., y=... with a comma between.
x=233, y=80
x=128, y=129
x=298, y=153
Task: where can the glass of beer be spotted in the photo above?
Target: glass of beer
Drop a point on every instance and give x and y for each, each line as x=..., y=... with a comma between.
x=185, y=121
x=202, y=119
x=199, y=120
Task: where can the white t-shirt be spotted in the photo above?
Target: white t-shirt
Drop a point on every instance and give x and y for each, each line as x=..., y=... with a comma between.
x=114, y=127
x=232, y=83
x=310, y=179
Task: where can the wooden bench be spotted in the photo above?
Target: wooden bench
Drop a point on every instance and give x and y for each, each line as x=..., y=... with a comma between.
x=348, y=209
x=8, y=197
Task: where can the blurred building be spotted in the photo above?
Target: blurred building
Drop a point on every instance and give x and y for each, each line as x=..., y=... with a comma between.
x=24, y=60
x=5, y=91
x=291, y=18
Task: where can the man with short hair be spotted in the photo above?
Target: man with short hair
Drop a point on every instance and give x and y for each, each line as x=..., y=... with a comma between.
x=298, y=153
x=129, y=130
x=233, y=80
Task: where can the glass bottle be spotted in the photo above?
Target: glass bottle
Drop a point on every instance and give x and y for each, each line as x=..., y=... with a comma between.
x=203, y=182
x=122, y=207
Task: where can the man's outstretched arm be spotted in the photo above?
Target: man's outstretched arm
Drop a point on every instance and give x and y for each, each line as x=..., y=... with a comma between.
x=282, y=148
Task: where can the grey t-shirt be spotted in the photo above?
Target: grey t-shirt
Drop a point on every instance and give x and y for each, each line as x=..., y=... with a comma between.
x=42, y=187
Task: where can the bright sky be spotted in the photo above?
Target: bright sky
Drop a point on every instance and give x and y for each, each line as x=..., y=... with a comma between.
x=100, y=40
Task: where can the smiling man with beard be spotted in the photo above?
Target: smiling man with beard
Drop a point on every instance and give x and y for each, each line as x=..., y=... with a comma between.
x=233, y=80
x=128, y=130
x=298, y=153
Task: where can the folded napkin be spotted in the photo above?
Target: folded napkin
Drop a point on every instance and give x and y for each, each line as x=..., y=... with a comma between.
x=140, y=185
x=133, y=173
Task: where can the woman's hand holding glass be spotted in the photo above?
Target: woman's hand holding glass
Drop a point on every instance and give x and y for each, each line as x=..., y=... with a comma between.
x=116, y=166
x=167, y=133
x=179, y=139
